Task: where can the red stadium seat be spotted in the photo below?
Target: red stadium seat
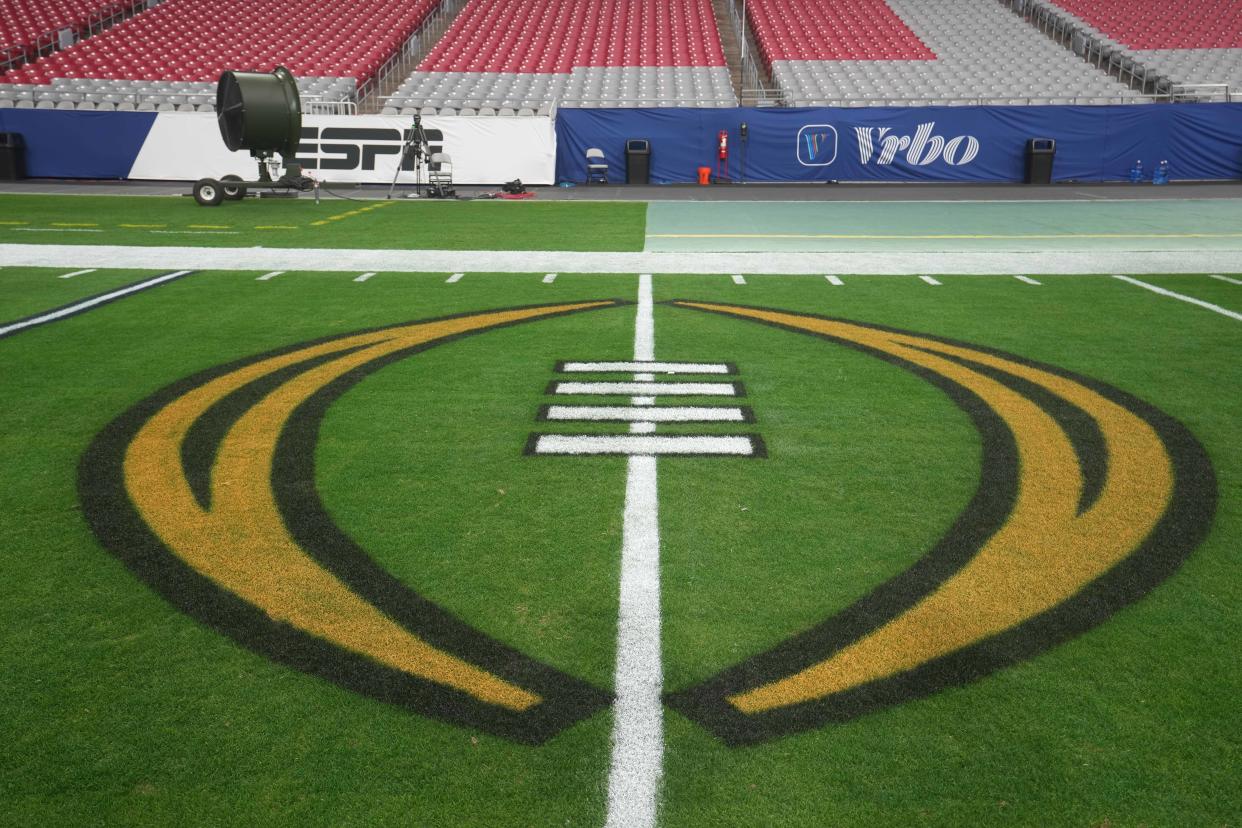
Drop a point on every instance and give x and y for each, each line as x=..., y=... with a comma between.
x=514, y=36
x=1141, y=24
x=196, y=40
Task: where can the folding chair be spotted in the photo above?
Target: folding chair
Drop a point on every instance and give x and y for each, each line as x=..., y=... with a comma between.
x=597, y=167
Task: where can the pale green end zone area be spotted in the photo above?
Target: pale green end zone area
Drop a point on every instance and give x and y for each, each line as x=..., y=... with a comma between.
x=1173, y=224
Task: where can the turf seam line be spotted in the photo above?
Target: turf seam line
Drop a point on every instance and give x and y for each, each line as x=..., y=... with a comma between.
x=87, y=304
x=1183, y=297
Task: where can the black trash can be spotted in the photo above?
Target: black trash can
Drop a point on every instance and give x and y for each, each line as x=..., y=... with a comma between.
x=12, y=156
x=1040, y=153
x=638, y=161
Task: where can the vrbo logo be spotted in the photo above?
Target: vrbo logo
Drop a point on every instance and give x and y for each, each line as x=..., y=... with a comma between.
x=923, y=149
x=356, y=148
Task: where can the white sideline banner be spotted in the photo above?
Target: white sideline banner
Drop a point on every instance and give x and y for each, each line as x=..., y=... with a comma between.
x=358, y=149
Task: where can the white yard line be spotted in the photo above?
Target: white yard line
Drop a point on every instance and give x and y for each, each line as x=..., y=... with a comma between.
x=645, y=445
x=638, y=712
x=87, y=304
x=1192, y=300
x=648, y=389
x=913, y=262
x=363, y=277
x=1028, y=280
x=835, y=281
x=930, y=280
x=739, y=279
x=456, y=277
x=648, y=367
x=269, y=276
x=78, y=273
x=655, y=414
x=1227, y=279
x=549, y=278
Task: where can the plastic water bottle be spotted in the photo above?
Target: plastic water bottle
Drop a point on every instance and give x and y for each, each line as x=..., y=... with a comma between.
x=1161, y=175
x=1136, y=172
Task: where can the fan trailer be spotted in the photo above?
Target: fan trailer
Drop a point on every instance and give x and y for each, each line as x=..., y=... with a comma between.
x=261, y=113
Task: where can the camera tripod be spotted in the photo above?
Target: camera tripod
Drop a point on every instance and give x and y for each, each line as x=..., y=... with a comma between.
x=415, y=147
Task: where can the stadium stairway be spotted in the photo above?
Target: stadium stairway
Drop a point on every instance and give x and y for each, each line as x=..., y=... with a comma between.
x=729, y=44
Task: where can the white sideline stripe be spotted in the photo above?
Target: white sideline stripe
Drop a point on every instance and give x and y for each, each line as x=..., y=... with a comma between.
x=647, y=367
x=78, y=273
x=711, y=389
x=816, y=263
x=268, y=276
x=739, y=279
x=456, y=277
x=364, y=277
x=929, y=280
x=834, y=280
x=644, y=444
x=1028, y=280
x=549, y=278
x=638, y=712
x=1227, y=279
x=653, y=414
x=643, y=400
x=52, y=316
x=1172, y=295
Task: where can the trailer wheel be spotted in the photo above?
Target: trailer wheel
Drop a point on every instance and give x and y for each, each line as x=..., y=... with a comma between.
x=234, y=193
x=208, y=192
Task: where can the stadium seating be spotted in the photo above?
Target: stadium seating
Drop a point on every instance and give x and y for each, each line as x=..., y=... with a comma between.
x=109, y=95
x=909, y=52
x=195, y=40
x=1189, y=42
x=840, y=30
x=532, y=53
x=1141, y=24
x=25, y=23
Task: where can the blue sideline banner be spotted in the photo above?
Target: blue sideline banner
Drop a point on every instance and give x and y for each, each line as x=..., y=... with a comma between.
x=936, y=143
x=78, y=144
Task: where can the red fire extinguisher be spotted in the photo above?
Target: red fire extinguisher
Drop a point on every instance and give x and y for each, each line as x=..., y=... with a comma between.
x=722, y=154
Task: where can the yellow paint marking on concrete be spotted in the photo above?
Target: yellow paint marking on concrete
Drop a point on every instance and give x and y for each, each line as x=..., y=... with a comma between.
x=933, y=236
x=1043, y=555
x=241, y=542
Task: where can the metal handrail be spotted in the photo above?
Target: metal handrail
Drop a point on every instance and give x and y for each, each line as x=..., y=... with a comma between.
x=415, y=46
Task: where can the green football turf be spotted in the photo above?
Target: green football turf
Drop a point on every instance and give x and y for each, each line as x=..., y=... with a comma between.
x=334, y=222
x=26, y=291
x=120, y=709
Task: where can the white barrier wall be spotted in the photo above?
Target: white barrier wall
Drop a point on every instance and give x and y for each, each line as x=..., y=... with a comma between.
x=358, y=148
